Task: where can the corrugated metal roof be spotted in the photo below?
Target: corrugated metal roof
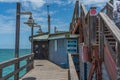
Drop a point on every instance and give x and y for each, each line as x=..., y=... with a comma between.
x=54, y=36
x=63, y=36
x=41, y=37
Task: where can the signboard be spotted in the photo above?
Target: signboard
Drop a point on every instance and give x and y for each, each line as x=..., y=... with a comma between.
x=71, y=46
x=93, y=12
x=116, y=11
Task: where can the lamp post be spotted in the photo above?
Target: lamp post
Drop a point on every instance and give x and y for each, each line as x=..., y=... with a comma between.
x=18, y=14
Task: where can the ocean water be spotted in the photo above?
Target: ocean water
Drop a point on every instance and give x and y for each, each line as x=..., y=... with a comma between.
x=8, y=54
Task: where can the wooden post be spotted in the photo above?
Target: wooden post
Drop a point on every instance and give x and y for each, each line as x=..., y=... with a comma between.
x=80, y=60
x=118, y=60
x=77, y=10
x=28, y=68
x=92, y=27
x=92, y=30
x=32, y=29
x=0, y=73
x=16, y=77
x=101, y=39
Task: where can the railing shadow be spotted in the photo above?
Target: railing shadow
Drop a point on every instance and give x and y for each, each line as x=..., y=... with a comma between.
x=29, y=78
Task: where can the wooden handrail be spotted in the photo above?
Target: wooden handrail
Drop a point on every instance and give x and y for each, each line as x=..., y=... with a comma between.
x=13, y=61
x=111, y=26
x=84, y=9
x=115, y=32
x=109, y=5
x=72, y=72
x=75, y=16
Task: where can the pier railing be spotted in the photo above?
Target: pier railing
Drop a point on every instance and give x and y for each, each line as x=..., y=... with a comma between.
x=113, y=66
x=75, y=18
x=109, y=10
x=28, y=66
x=72, y=71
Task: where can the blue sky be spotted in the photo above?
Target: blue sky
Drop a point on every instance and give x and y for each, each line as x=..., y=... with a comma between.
x=61, y=14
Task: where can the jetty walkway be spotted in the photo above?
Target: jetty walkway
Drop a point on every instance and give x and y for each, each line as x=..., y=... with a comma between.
x=46, y=70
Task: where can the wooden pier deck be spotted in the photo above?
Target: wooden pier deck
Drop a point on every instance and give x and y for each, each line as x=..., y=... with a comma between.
x=46, y=70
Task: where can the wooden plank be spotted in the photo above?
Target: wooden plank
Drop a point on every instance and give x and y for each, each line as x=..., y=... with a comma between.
x=72, y=71
x=110, y=6
x=109, y=63
x=111, y=26
x=26, y=56
x=8, y=63
x=13, y=61
x=45, y=70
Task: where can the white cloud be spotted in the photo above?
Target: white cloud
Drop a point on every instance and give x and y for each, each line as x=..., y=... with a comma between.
x=88, y=2
x=27, y=3
x=40, y=16
x=7, y=25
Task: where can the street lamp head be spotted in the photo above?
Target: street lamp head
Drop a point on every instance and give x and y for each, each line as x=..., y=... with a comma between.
x=40, y=30
x=30, y=22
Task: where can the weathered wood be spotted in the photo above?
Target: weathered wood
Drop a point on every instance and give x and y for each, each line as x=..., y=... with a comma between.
x=101, y=39
x=30, y=60
x=118, y=60
x=72, y=71
x=109, y=62
x=111, y=26
x=92, y=30
x=7, y=63
x=75, y=16
x=82, y=64
x=103, y=9
x=15, y=72
x=26, y=56
x=46, y=70
x=14, y=61
x=84, y=9
x=110, y=6
x=0, y=73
